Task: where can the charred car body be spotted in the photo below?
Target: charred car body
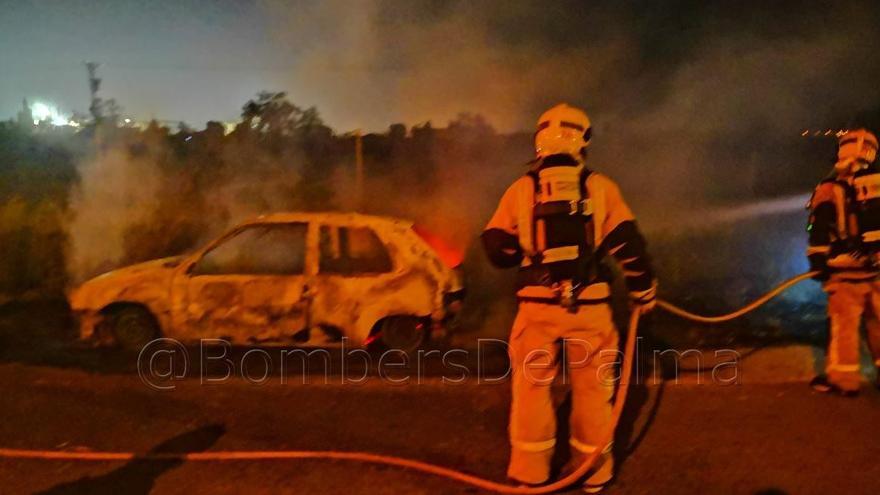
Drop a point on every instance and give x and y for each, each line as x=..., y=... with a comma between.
x=286, y=278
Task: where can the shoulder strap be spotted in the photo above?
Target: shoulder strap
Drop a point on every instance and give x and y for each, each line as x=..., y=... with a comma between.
x=525, y=221
x=536, y=182
x=585, y=174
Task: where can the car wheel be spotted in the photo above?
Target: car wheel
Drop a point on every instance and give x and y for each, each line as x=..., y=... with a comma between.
x=406, y=333
x=132, y=327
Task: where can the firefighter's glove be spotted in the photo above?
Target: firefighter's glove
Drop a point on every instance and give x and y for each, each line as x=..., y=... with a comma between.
x=819, y=263
x=502, y=248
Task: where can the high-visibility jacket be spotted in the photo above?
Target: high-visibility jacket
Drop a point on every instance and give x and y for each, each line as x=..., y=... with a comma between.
x=615, y=231
x=834, y=234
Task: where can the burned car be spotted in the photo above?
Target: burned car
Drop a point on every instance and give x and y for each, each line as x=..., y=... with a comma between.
x=288, y=279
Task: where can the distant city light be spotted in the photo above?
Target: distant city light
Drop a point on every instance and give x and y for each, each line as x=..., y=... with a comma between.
x=43, y=112
x=824, y=132
x=40, y=111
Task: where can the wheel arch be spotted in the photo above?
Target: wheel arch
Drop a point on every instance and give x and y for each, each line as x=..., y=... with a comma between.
x=375, y=330
x=116, y=306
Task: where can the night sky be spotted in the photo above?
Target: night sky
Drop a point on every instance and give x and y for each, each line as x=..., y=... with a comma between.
x=370, y=63
x=176, y=60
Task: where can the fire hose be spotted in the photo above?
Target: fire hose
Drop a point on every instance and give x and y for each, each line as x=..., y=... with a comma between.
x=424, y=467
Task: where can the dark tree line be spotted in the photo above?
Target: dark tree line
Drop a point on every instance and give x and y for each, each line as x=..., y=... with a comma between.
x=278, y=157
x=282, y=157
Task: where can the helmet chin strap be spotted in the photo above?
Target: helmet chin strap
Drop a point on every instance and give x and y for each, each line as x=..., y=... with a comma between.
x=581, y=158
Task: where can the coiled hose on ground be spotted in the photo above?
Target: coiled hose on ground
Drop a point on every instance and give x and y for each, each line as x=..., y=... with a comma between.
x=452, y=474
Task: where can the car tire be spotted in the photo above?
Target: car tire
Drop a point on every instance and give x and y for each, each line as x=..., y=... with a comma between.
x=132, y=327
x=405, y=333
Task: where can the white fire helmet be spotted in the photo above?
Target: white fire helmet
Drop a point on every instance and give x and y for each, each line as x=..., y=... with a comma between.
x=563, y=130
x=856, y=149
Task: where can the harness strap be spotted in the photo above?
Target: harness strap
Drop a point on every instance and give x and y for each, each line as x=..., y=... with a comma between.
x=582, y=207
x=557, y=301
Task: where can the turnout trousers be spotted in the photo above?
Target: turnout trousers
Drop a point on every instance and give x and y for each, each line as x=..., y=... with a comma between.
x=849, y=302
x=541, y=335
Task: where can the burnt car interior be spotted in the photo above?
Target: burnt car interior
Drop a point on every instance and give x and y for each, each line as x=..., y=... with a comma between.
x=352, y=251
x=278, y=249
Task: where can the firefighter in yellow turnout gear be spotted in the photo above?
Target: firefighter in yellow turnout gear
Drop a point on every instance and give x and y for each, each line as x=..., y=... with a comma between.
x=557, y=223
x=844, y=245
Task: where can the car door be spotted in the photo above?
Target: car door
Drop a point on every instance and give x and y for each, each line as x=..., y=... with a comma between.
x=354, y=268
x=249, y=287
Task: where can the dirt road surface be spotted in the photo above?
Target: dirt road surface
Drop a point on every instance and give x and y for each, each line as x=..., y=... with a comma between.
x=675, y=438
x=740, y=439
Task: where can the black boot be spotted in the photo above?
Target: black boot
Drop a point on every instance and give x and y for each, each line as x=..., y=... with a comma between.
x=822, y=385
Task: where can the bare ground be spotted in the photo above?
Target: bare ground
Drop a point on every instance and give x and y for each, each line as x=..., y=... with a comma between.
x=740, y=439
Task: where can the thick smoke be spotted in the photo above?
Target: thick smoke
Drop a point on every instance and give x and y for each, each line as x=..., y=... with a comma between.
x=116, y=192
x=370, y=63
x=677, y=92
x=694, y=106
x=140, y=196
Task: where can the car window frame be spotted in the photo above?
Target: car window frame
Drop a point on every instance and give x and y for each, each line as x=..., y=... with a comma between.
x=382, y=241
x=308, y=262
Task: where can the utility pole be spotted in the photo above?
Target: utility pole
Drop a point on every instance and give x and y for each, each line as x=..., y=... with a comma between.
x=94, y=85
x=26, y=115
x=359, y=169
